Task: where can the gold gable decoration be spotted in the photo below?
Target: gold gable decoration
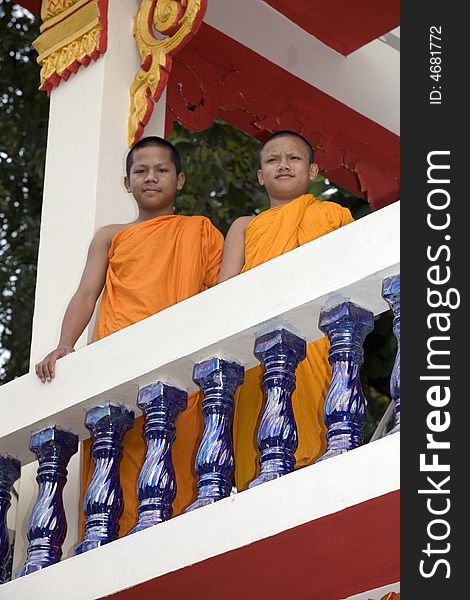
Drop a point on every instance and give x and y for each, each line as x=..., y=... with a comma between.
x=179, y=21
x=53, y=8
x=73, y=33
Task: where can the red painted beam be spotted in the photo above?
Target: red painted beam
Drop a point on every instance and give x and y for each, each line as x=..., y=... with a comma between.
x=33, y=6
x=343, y=25
x=348, y=552
x=216, y=76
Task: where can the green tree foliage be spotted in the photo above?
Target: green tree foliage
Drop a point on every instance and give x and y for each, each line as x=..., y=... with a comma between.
x=23, y=131
x=221, y=183
x=220, y=166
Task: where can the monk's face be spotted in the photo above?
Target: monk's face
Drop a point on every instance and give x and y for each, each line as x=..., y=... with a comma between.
x=153, y=180
x=285, y=169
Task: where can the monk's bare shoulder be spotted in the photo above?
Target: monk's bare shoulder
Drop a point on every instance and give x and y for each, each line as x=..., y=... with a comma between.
x=105, y=234
x=239, y=226
x=234, y=249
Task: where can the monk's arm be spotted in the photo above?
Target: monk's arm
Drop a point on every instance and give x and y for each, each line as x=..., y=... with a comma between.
x=214, y=247
x=346, y=217
x=234, y=249
x=82, y=304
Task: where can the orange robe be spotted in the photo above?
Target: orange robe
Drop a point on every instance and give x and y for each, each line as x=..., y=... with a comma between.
x=275, y=232
x=153, y=265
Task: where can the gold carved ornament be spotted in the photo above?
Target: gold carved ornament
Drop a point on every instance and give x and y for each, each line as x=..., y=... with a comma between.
x=73, y=33
x=179, y=21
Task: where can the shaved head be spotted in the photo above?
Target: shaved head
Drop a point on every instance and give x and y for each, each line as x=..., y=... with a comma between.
x=288, y=133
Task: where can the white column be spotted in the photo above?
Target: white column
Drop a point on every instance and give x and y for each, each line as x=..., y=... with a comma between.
x=83, y=190
x=85, y=165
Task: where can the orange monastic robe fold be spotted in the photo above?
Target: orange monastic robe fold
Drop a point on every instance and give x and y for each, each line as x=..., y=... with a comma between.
x=272, y=233
x=153, y=265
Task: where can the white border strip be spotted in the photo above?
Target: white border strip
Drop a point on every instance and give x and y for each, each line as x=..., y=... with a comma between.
x=300, y=497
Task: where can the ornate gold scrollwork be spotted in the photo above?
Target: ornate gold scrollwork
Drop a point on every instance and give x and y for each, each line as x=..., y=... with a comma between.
x=179, y=20
x=52, y=8
x=73, y=33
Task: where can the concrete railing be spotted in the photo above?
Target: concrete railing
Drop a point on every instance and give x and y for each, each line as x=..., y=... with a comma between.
x=289, y=293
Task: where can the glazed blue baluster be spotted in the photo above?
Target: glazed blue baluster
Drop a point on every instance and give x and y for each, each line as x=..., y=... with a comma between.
x=156, y=488
x=219, y=380
x=47, y=525
x=10, y=470
x=346, y=326
x=391, y=293
x=103, y=499
x=280, y=352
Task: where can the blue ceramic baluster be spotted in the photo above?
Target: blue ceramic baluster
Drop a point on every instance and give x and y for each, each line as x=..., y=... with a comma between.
x=219, y=380
x=156, y=488
x=391, y=293
x=346, y=326
x=103, y=499
x=10, y=470
x=47, y=525
x=280, y=352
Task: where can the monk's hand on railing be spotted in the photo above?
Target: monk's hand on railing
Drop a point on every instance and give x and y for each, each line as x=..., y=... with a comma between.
x=45, y=369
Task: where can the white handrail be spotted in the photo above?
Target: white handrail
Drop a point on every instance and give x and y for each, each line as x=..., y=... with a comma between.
x=288, y=291
x=384, y=421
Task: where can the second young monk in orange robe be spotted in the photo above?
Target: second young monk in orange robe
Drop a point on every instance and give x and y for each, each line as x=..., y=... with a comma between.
x=145, y=267
x=294, y=218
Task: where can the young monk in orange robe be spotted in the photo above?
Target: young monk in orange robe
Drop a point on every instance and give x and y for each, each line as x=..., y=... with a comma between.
x=294, y=218
x=145, y=267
